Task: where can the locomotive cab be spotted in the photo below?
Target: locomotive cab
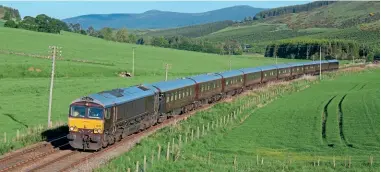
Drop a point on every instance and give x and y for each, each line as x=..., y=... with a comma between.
x=86, y=125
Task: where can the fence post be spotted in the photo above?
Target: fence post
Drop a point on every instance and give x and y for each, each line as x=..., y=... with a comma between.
x=192, y=135
x=262, y=161
x=212, y=125
x=168, y=145
x=186, y=138
x=235, y=162
x=145, y=163
x=173, y=145
x=224, y=120
x=137, y=166
x=318, y=161
x=203, y=130
x=257, y=159
x=198, y=132
x=158, y=152
x=128, y=170
x=334, y=162
x=5, y=137
x=208, y=127
x=179, y=140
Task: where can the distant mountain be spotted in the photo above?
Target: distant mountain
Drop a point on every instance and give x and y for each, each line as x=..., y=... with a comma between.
x=155, y=19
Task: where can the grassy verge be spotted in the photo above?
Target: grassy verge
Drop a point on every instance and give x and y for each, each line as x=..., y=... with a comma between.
x=229, y=139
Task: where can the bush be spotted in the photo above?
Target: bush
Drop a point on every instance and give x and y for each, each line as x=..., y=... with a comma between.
x=11, y=24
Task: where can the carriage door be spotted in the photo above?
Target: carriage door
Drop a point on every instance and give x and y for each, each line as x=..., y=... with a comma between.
x=114, y=118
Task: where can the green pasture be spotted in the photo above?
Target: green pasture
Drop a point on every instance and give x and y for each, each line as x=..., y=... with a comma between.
x=25, y=80
x=286, y=133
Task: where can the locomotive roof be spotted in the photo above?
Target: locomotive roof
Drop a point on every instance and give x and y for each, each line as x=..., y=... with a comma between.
x=232, y=73
x=251, y=70
x=333, y=61
x=173, y=84
x=205, y=77
x=118, y=96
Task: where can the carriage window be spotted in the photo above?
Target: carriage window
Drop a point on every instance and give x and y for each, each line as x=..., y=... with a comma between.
x=176, y=95
x=78, y=111
x=179, y=94
x=167, y=99
x=190, y=91
x=171, y=96
x=208, y=87
x=183, y=94
x=96, y=113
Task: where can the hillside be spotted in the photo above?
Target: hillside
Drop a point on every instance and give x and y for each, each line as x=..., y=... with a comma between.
x=155, y=19
x=335, y=15
x=192, y=31
x=7, y=13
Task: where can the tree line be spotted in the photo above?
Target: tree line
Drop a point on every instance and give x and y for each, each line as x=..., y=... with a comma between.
x=310, y=49
x=40, y=23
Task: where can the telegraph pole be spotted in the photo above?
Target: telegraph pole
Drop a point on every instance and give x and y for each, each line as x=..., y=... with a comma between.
x=167, y=67
x=54, y=52
x=133, y=61
x=230, y=59
x=320, y=64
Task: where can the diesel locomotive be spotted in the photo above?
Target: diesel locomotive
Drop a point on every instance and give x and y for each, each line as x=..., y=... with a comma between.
x=101, y=119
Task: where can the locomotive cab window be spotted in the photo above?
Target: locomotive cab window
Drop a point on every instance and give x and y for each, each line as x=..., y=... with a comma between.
x=78, y=111
x=95, y=113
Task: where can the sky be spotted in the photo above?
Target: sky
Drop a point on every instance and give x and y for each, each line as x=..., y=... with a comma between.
x=62, y=9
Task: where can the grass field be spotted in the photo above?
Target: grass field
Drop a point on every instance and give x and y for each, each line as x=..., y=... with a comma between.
x=25, y=80
x=289, y=128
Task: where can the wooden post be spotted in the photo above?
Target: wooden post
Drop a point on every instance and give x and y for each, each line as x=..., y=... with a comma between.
x=192, y=135
x=203, y=130
x=158, y=152
x=145, y=163
x=262, y=161
x=318, y=161
x=198, y=132
x=257, y=159
x=334, y=162
x=168, y=145
x=173, y=145
x=371, y=160
x=137, y=166
x=179, y=140
x=128, y=169
x=5, y=137
x=186, y=137
x=224, y=120
x=208, y=127
x=212, y=125
x=235, y=163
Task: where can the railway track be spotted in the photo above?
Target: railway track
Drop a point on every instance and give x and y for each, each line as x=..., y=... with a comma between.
x=16, y=160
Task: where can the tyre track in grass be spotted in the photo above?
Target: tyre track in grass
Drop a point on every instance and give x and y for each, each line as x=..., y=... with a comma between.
x=341, y=121
x=340, y=115
x=324, y=121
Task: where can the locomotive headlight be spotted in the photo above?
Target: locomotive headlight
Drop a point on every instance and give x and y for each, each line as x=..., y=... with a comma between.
x=72, y=128
x=96, y=130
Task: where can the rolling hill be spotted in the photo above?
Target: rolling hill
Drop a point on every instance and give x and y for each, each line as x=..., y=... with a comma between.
x=155, y=19
x=8, y=12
